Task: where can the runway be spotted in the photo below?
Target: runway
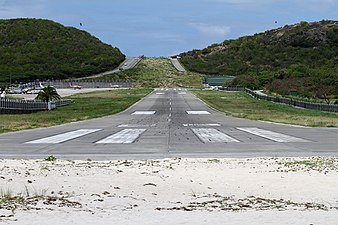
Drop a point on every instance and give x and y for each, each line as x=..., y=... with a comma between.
x=170, y=122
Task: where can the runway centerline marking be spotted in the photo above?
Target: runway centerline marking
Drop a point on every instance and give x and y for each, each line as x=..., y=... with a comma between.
x=198, y=112
x=211, y=135
x=126, y=136
x=202, y=125
x=143, y=113
x=274, y=136
x=60, y=138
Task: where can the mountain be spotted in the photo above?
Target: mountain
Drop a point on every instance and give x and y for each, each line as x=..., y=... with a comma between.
x=301, y=57
x=42, y=49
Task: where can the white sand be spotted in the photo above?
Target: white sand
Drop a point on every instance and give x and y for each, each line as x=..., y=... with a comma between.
x=160, y=191
x=63, y=92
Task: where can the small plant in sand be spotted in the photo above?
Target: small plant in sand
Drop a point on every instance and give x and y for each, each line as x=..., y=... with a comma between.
x=50, y=158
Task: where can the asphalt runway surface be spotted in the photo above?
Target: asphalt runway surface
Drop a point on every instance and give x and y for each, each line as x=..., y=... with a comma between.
x=169, y=123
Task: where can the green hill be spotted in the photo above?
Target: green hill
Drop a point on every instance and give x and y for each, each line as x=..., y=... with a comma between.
x=302, y=57
x=41, y=49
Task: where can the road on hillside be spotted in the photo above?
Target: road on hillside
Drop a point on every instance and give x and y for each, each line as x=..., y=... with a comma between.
x=177, y=64
x=169, y=123
x=127, y=64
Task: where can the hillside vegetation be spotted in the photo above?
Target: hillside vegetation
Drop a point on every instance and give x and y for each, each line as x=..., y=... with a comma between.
x=41, y=49
x=157, y=72
x=302, y=57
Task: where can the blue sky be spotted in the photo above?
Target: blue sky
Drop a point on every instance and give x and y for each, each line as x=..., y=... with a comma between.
x=163, y=28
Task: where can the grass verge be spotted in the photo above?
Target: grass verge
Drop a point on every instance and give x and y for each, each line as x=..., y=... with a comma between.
x=157, y=72
x=244, y=106
x=84, y=107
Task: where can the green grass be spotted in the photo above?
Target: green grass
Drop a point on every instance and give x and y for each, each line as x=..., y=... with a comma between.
x=315, y=163
x=244, y=106
x=84, y=107
x=157, y=72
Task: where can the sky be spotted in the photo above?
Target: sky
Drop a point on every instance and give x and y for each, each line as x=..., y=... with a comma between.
x=156, y=28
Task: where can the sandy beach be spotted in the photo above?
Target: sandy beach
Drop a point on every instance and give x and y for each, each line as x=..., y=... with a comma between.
x=170, y=191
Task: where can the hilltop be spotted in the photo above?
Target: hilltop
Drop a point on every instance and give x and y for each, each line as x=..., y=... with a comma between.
x=302, y=57
x=42, y=49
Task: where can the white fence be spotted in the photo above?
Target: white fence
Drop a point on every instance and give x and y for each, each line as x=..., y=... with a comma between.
x=27, y=106
x=287, y=101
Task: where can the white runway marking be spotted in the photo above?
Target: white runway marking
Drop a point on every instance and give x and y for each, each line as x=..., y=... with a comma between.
x=60, y=138
x=202, y=125
x=198, y=112
x=182, y=93
x=175, y=89
x=125, y=136
x=167, y=89
x=160, y=93
x=135, y=125
x=162, y=89
x=143, y=113
x=211, y=135
x=272, y=135
x=180, y=89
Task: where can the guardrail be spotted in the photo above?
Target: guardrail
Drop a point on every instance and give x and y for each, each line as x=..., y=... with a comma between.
x=8, y=106
x=287, y=101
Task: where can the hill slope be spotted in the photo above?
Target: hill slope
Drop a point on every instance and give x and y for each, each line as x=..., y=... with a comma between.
x=302, y=57
x=157, y=72
x=42, y=49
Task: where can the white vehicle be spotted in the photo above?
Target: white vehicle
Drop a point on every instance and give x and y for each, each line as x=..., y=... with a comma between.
x=76, y=87
x=33, y=91
x=115, y=86
x=14, y=91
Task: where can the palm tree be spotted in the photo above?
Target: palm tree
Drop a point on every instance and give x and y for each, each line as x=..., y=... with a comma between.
x=47, y=94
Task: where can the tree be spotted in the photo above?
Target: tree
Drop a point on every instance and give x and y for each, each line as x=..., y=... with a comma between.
x=324, y=92
x=47, y=94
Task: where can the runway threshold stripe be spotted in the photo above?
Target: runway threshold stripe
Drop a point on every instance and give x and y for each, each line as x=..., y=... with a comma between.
x=211, y=135
x=198, y=112
x=274, y=136
x=125, y=136
x=60, y=138
x=143, y=113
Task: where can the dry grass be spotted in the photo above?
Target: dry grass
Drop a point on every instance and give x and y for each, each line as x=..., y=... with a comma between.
x=158, y=72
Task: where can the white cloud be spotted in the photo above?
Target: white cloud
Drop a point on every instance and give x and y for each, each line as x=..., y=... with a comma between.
x=211, y=30
x=317, y=4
